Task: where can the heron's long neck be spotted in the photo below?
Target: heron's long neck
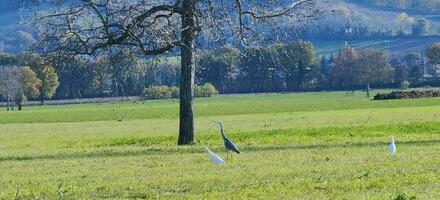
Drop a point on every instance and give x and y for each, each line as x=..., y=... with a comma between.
x=222, y=132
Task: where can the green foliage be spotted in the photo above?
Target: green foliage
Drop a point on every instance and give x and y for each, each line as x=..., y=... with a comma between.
x=7, y=59
x=29, y=82
x=165, y=92
x=44, y=72
x=17, y=84
x=158, y=92
x=421, y=28
x=433, y=53
x=413, y=63
x=175, y=92
x=277, y=67
x=219, y=68
x=370, y=64
x=28, y=85
x=404, y=85
x=344, y=72
x=298, y=58
x=206, y=90
x=77, y=80
x=49, y=81
x=272, y=68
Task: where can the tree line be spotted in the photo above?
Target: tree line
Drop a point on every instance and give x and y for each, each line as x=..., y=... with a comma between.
x=417, y=28
x=296, y=67
x=288, y=67
x=27, y=76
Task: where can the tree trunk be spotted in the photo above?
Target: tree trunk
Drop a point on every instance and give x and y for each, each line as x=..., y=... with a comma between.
x=289, y=82
x=42, y=97
x=186, y=129
x=7, y=102
x=368, y=90
x=19, y=101
x=101, y=86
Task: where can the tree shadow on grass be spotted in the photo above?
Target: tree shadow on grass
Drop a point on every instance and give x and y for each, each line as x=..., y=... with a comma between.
x=105, y=153
x=346, y=145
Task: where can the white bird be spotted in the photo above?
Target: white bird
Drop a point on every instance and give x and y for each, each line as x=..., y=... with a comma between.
x=214, y=157
x=392, y=147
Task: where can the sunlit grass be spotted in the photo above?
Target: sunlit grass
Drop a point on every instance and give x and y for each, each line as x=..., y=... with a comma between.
x=301, y=146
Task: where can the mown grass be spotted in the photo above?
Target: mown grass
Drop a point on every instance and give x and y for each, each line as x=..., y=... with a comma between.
x=294, y=146
x=218, y=106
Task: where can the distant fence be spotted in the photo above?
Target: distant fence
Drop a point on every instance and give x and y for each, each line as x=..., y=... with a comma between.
x=78, y=101
x=116, y=99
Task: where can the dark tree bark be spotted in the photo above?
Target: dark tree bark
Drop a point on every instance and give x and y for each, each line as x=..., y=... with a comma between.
x=41, y=96
x=186, y=129
x=8, y=105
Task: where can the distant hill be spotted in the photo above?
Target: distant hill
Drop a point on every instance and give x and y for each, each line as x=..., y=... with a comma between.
x=366, y=16
x=392, y=46
x=413, y=6
x=340, y=12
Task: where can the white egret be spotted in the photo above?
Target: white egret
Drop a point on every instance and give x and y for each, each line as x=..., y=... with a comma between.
x=214, y=157
x=392, y=148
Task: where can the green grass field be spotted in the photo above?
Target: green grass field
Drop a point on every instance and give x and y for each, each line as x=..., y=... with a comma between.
x=294, y=146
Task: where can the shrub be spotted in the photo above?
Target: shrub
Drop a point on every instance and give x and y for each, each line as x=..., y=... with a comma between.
x=175, y=92
x=404, y=85
x=207, y=90
x=165, y=92
x=157, y=92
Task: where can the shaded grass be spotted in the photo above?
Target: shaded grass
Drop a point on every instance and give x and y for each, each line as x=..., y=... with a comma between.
x=364, y=172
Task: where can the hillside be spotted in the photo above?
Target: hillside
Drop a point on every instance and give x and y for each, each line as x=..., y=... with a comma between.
x=338, y=13
x=415, y=6
x=369, y=20
x=393, y=46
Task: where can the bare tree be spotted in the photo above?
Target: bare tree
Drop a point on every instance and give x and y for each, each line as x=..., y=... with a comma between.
x=155, y=27
x=370, y=64
x=9, y=86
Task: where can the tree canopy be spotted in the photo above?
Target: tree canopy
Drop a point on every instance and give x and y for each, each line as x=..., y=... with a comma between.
x=95, y=27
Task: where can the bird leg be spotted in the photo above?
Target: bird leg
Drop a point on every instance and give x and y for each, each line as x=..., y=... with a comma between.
x=227, y=154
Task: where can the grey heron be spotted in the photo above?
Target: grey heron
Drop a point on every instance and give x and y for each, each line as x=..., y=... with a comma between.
x=217, y=160
x=228, y=144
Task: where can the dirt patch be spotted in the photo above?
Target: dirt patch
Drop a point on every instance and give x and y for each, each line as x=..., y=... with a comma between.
x=413, y=94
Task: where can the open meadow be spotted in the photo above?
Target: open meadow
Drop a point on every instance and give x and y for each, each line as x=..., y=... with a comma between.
x=327, y=145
